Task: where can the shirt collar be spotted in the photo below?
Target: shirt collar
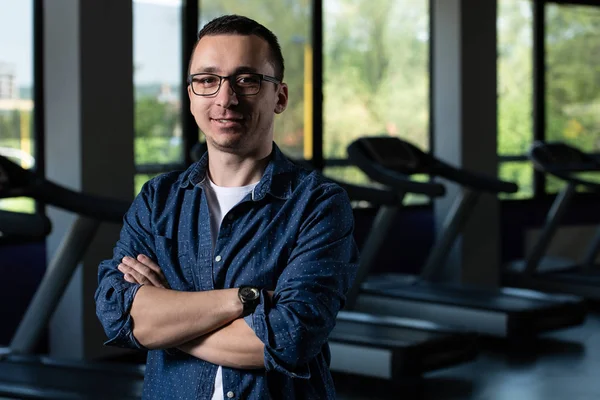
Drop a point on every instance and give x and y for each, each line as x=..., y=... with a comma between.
x=275, y=180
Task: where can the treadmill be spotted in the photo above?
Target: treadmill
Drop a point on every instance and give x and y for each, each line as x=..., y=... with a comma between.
x=24, y=374
x=391, y=347
x=395, y=348
x=553, y=274
x=506, y=312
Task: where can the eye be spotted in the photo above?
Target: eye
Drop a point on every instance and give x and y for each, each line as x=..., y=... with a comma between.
x=247, y=80
x=206, y=80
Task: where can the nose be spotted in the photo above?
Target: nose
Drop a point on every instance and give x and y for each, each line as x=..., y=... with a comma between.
x=226, y=97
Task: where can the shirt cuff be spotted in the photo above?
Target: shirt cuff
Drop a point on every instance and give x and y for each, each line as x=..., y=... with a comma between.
x=125, y=338
x=258, y=322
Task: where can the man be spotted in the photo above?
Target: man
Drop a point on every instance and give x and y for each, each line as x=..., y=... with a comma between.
x=231, y=273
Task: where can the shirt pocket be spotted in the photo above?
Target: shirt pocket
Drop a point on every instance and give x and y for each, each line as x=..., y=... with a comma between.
x=174, y=264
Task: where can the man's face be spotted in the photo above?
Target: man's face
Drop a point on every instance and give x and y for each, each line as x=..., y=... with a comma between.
x=241, y=125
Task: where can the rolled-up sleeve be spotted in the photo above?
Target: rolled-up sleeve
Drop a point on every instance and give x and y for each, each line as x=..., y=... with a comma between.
x=311, y=290
x=114, y=296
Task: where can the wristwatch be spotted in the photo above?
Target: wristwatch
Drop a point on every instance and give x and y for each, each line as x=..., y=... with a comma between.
x=250, y=298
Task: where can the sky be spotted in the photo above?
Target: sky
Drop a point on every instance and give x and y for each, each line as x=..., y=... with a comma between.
x=156, y=44
x=16, y=34
x=157, y=40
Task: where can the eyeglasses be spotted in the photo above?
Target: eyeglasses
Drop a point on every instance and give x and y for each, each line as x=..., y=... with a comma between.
x=243, y=84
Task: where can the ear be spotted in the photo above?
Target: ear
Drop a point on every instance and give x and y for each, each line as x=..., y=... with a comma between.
x=190, y=95
x=282, y=98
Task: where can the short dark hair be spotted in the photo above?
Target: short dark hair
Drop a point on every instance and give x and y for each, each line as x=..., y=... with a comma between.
x=240, y=25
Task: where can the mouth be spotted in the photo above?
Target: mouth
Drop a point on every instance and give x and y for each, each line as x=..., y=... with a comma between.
x=227, y=121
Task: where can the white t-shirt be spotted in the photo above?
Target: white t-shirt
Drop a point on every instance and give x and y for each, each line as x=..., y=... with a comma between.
x=220, y=201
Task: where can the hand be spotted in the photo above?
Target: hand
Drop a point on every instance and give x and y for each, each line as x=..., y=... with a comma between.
x=142, y=271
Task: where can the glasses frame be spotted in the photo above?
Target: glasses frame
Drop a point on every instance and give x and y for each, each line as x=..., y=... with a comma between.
x=230, y=78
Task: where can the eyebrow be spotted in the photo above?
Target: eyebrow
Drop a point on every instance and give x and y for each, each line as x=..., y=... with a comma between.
x=214, y=70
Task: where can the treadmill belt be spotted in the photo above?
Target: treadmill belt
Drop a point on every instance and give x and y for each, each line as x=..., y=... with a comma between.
x=413, y=351
x=575, y=275
x=40, y=381
x=463, y=297
x=382, y=335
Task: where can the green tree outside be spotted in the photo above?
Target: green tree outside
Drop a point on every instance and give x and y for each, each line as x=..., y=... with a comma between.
x=376, y=78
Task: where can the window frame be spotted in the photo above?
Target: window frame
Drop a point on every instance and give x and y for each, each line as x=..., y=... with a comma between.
x=539, y=87
x=190, y=17
x=38, y=117
x=318, y=161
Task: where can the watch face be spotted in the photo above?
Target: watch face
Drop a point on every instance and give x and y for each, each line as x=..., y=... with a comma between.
x=249, y=293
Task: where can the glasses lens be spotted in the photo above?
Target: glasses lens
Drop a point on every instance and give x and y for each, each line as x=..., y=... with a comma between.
x=247, y=84
x=205, y=84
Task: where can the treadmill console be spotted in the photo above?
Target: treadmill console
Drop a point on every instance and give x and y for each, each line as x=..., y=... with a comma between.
x=392, y=153
x=561, y=157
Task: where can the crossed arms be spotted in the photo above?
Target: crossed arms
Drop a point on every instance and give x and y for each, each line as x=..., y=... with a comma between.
x=284, y=333
x=206, y=325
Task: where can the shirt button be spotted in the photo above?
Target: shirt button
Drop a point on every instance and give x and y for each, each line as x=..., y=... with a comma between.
x=230, y=395
x=230, y=217
x=218, y=258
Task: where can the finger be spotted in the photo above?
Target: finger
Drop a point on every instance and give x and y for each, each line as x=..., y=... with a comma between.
x=148, y=262
x=142, y=274
x=129, y=278
x=151, y=276
x=126, y=276
x=144, y=265
x=144, y=259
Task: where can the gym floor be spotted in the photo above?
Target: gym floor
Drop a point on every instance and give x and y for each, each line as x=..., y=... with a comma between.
x=560, y=366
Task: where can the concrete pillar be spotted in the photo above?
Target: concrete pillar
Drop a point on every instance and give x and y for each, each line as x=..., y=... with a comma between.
x=465, y=127
x=89, y=142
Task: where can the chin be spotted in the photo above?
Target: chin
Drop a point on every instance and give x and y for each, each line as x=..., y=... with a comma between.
x=228, y=144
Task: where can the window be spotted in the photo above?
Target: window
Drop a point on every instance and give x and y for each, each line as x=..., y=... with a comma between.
x=515, y=86
x=17, y=139
x=376, y=72
x=157, y=80
x=548, y=84
x=376, y=75
x=290, y=21
x=572, y=65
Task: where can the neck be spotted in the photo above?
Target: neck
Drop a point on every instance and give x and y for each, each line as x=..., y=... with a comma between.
x=232, y=170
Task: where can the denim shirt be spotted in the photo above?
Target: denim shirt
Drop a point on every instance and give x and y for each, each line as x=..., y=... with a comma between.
x=293, y=234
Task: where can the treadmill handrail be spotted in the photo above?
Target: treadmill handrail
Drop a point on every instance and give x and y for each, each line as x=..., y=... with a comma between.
x=16, y=181
x=544, y=155
x=17, y=226
x=575, y=180
x=376, y=196
x=92, y=206
x=391, y=178
x=561, y=169
x=473, y=180
x=363, y=152
x=357, y=192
